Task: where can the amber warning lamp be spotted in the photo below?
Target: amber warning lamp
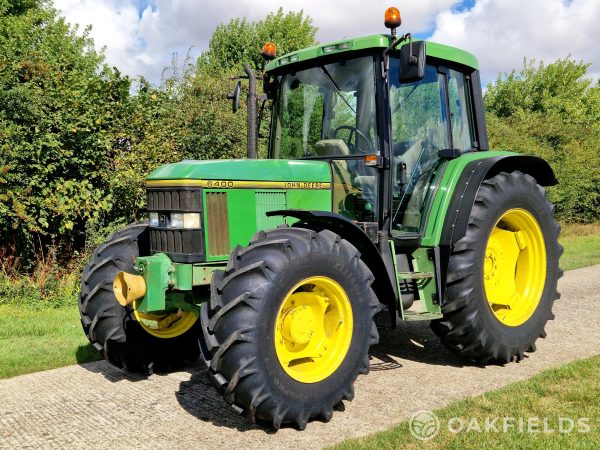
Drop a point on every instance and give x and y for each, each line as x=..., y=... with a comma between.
x=392, y=19
x=372, y=160
x=269, y=51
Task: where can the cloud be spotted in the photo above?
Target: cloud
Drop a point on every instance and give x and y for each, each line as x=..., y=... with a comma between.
x=502, y=33
x=113, y=26
x=141, y=36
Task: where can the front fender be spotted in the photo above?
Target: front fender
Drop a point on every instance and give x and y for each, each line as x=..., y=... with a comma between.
x=378, y=259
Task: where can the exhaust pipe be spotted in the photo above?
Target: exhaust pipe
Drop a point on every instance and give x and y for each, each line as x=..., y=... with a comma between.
x=128, y=287
x=252, y=106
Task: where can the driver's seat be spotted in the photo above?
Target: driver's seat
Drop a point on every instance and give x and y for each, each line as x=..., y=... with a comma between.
x=331, y=147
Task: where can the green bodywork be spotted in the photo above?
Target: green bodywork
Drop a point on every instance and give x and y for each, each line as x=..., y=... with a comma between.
x=247, y=212
x=167, y=281
x=249, y=188
x=158, y=273
x=424, y=276
x=246, y=206
x=170, y=285
x=244, y=169
x=381, y=41
x=443, y=195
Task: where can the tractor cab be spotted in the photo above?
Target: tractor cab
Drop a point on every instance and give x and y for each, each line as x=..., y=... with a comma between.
x=385, y=131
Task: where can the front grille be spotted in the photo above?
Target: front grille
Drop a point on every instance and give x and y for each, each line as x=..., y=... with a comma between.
x=217, y=223
x=269, y=201
x=184, y=200
x=181, y=245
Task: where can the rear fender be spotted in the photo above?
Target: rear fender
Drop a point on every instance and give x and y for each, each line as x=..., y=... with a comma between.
x=474, y=173
x=463, y=198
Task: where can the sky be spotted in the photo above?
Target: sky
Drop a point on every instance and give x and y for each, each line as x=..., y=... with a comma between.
x=140, y=37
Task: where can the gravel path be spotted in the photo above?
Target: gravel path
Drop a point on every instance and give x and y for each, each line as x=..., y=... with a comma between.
x=97, y=406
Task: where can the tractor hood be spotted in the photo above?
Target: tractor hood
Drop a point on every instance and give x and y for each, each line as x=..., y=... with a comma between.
x=245, y=169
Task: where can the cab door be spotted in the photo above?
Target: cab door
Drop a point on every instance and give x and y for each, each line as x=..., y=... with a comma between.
x=427, y=116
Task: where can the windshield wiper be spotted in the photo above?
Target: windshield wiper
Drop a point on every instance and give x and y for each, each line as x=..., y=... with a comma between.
x=335, y=86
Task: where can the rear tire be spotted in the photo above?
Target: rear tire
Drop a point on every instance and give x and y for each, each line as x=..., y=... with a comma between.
x=240, y=325
x=112, y=328
x=475, y=324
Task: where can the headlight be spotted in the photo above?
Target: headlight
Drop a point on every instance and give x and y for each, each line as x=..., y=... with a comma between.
x=153, y=219
x=176, y=220
x=191, y=220
x=185, y=220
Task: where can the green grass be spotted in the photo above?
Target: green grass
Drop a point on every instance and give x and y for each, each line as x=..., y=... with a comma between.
x=42, y=338
x=581, y=244
x=570, y=391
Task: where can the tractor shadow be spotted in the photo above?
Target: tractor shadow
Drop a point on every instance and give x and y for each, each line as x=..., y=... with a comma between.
x=196, y=396
x=199, y=398
x=110, y=372
x=413, y=341
x=410, y=341
x=91, y=360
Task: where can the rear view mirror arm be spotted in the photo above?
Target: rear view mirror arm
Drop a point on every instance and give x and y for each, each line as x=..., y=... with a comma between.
x=395, y=43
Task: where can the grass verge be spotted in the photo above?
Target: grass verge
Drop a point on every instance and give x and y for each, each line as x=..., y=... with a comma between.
x=581, y=244
x=42, y=338
x=570, y=392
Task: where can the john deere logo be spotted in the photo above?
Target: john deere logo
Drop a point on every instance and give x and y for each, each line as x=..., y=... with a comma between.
x=424, y=425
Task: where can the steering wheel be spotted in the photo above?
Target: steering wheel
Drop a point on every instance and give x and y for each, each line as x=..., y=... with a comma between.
x=359, y=133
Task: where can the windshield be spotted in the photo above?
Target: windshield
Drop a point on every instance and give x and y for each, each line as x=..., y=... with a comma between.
x=326, y=111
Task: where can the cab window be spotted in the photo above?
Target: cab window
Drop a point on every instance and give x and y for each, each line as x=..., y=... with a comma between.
x=419, y=130
x=460, y=111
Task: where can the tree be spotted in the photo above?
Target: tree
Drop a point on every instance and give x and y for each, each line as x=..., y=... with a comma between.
x=58, y=107
x=16, y=7
x=241, y=41
x=75, y=144
x=553, y=111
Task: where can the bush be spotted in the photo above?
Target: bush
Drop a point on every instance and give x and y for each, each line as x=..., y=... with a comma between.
x=56, y=119
x=553, y=111
x=47, y=286
x=75, y=144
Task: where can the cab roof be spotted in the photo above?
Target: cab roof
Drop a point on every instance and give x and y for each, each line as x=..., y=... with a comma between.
x=381, y=41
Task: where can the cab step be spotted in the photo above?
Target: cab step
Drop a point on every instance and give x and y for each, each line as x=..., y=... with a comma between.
x=425, y=266
x=414, y=275
x=413, y=316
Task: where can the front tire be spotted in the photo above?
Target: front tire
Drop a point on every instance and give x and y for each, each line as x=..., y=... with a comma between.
x=503, y=274
x=120, y=332
x=289, y=324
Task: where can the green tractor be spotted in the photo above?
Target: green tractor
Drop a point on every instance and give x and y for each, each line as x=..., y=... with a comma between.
x=378, y=195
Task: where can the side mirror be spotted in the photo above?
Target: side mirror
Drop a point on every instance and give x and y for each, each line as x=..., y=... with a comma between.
x=412, y=62
x=235, y=96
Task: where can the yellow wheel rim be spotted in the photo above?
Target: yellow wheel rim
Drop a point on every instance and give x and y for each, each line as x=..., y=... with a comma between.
x=313, y=329
x=166, y=326
x=514, y=268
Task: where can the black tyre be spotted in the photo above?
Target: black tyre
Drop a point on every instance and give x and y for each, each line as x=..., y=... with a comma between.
x=113, y=329
x=503, y=274
x=289, y=324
